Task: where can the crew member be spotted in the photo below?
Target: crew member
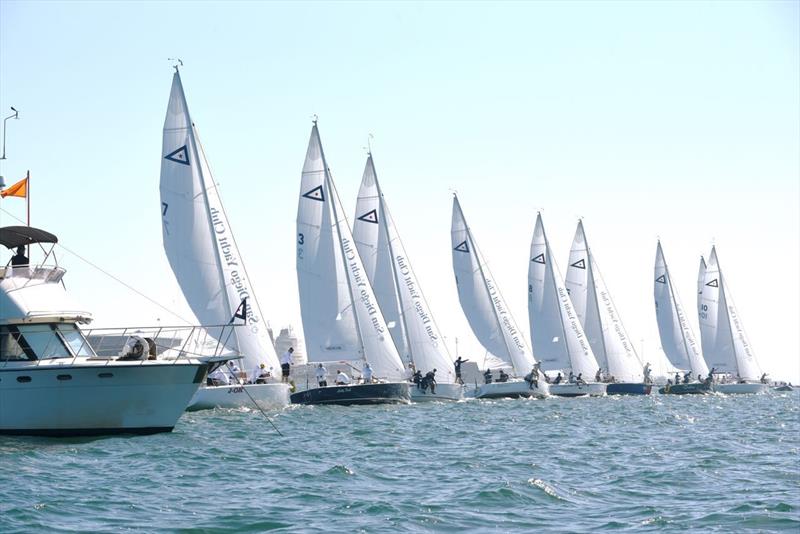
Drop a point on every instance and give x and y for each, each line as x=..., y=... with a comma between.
x=286, y=365
x=322, y=376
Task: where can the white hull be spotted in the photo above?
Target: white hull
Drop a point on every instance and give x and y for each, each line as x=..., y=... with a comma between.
x=85, y=399
x=512, y=388
x=594, y=389
x=267, y=396
x=732, y=389
x=444, y=392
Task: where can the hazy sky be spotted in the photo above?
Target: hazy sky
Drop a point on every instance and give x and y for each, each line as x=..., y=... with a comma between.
x=675, y=119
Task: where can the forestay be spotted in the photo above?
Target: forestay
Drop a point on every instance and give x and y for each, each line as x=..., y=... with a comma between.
x=677, y=338
x=399, y=295
x=480, y=298
x=601, y=323
x=725, y=344
x=199, y=242
x=556, y=332
x=341, y=316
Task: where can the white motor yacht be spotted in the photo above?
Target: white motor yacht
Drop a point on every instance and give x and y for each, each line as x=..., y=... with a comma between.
x=52, y=382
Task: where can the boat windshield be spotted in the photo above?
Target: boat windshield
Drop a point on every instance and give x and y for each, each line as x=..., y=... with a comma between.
x=41, y=342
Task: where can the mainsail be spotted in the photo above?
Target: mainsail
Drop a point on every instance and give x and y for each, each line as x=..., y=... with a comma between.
x=556, y=332
x=677, y=338
x=399, y=295
x=610, y=342
x=484, y=306
x=199, y=242
x=341, y=316
x=725, y=344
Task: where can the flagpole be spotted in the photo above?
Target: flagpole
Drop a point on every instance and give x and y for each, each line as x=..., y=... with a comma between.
x=28, y=196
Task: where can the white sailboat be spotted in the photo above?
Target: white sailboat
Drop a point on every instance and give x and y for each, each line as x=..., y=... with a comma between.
x=489, y=316
x=725, y=345
x=677, y=338
x=556, y=332
x=341, y=317
x=53, y=383
x=205, y=259
x=399, y=295
x=600, y=320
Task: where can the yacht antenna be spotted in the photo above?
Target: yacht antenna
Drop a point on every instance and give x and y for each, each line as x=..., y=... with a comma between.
x=14, y=115
x=178, y=62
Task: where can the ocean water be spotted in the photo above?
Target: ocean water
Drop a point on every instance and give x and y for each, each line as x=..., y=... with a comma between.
x=658, y=463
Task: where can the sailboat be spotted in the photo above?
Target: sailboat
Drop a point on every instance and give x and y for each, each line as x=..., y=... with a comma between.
x=399, y=295
x=556, y=332
x=725, y=345
x=342, y=320
x=677, y=338
x=489, y=316
x=601, y=323
x=202, y=252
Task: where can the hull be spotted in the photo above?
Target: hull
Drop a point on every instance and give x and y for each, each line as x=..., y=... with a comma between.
x=735, y=389
x=628, y=388
x=784, y=388
x=267, y=396
x=386, y=393
x=444, y=392
x=90, y=400
x=695, y=388
x=593, y=389
x=512, y=389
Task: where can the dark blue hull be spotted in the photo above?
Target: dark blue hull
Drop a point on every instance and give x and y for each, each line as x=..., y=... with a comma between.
x=696, y=388
x=389, y=393
x=628, y=388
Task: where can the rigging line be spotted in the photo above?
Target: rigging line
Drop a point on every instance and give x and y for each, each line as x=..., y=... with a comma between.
x=109, y=275
x=259, y=408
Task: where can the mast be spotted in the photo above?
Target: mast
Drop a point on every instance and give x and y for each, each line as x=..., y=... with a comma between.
x=483, y=277
x=398, y=294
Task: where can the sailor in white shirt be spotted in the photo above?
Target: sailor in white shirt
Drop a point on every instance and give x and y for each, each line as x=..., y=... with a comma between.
x=286, y=364
x=342, y=379
x=322, y=375
x=260, y=374
x=367, y=372
x=219, y=377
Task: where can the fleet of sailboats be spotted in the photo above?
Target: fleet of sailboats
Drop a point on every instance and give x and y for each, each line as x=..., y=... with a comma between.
x=205, y=259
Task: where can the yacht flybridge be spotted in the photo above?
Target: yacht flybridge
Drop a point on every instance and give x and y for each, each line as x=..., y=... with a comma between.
x=51, y=380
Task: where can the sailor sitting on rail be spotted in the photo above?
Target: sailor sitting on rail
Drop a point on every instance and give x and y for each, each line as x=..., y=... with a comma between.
x=342, y=379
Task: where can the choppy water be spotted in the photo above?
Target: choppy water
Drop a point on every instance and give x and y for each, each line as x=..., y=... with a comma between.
x=717, y=463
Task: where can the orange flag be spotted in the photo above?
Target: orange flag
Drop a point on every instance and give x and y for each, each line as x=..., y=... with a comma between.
x=19, y=189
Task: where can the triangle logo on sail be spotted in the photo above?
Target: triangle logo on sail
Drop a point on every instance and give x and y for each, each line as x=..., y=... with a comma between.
x=241, y=312
x=180, y=155
x=580, y=264
x=462, y=247
x=539, y=259
x=662, y=279
x=713, y=283
x=370, y=217
x=315, y=194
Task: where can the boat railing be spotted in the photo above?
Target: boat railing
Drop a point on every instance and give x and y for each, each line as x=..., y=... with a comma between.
x=171, y=343
x=44, y=273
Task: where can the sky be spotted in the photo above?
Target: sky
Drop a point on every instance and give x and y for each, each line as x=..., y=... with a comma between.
x=670, y=120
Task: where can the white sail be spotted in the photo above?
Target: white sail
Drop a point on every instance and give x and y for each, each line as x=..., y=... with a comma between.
x=725, y=344
x=677, y=338
x=701, y=276
x=610, y=342
x=399, y=295
x=556, y=332
x=480, y=298
x=341, y=316
x=199, y=242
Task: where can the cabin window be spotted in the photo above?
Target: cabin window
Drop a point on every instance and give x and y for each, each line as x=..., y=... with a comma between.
x=75, y=339
x=38, y=341
x=10, y=349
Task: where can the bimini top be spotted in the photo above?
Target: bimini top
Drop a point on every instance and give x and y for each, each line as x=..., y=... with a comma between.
x=15, y=236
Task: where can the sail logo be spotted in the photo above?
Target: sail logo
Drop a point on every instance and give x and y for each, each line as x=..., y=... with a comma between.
x=580, y=264
x=539, y=259
x=713, y=283
x=662, y=279
x=315, y=194
x=462, y=247
x=362, y=283
x=370, y=217
x=180, y=155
